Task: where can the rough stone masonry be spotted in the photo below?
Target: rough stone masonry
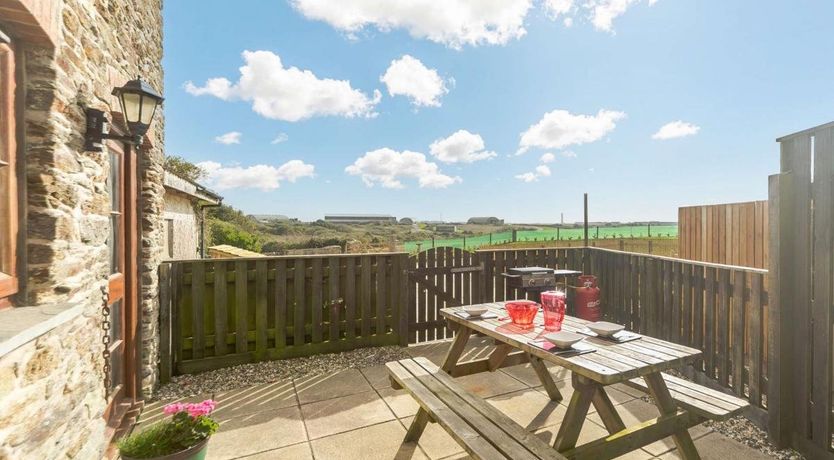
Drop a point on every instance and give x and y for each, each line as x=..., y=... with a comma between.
x=51, y=389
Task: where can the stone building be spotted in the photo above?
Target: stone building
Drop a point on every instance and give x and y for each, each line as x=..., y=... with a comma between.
x=79, y=229
x=184, y=214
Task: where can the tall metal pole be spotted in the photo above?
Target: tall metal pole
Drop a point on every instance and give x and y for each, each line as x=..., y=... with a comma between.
x=586, y=219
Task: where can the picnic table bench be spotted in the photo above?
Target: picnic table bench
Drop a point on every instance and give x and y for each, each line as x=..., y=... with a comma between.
x=481, y=429
x=640, y=363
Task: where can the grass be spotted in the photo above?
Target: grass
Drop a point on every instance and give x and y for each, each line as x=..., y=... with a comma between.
x=549, y=235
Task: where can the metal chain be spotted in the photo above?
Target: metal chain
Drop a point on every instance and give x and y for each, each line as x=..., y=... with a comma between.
x=105, y=339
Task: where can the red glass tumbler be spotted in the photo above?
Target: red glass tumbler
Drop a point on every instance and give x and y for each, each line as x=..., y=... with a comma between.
x=553, y=305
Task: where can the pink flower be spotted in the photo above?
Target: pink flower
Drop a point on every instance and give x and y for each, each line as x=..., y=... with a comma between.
x=204, y=408
x=174, y=408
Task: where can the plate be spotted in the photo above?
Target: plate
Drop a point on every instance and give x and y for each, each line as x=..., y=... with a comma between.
x=475, y=311
x=563, y=339
x=605, y=329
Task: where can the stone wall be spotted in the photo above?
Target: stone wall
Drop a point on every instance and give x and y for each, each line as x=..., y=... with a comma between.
x=57, y=379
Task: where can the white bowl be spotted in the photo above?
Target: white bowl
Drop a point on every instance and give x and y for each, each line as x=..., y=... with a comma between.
x=563, y=339
x=474, y=311
x=605, y=329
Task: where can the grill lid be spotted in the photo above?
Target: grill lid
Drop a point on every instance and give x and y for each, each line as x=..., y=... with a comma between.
x=531, y=271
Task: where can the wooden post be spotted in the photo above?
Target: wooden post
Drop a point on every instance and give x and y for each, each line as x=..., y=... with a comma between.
x=586, y=220
x=165, y=361
x=779, y=332
x=650, y=246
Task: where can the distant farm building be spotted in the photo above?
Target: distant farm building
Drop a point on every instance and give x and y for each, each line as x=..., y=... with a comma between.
x=360, y=219
x=486, y=221
x=445, y=228
x=407, y=221
x=266, y=218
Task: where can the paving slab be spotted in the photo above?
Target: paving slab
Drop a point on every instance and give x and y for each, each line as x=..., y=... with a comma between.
x=529, y=408
x=301, y=451
x=526, y=374
x=258, y=432
x=337, y=415
x=376, y=442
x=435, y=442
x=638, y=411
x=400, y=402
x=488, y=384
x=377, y=375
x=257, y=398
x=321, y=387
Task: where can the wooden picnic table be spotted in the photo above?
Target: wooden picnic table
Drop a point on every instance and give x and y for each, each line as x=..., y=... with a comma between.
x=609, y=363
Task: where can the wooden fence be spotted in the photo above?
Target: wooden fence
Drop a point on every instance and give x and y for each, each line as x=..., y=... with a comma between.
x=802, y=268
x=731, y=234
x=221, y=312
x=719, y=309
x=225, y=312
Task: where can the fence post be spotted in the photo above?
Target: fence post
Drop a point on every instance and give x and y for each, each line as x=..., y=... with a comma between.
x=779, y=395
x=622, y=245
x=402, y=323
x=165, y=357
x=650, y=246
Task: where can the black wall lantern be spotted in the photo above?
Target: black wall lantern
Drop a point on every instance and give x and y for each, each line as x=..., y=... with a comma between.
x=138, y=101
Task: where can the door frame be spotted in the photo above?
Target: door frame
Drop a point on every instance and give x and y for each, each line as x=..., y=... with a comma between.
x=123, y=404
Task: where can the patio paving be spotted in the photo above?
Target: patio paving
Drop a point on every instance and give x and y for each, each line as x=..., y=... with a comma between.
x=355, y=414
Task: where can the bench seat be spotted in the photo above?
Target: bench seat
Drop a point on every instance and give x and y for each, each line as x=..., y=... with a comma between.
x=698, y=399
x=482, y=430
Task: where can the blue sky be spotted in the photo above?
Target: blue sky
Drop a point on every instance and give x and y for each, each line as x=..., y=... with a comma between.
x=736, y=74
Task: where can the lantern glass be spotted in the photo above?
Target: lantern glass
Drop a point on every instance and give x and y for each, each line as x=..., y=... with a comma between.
x=148, y=109
x=132, y=106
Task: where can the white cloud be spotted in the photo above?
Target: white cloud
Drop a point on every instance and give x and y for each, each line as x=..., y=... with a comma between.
x=454, y=23
x=560, y=128
x=288, y=93
x=460, y=147
x=548, y=158
x=407, y=76
x=601, y=13
x=386, y=167
x=539, y=172
x=262, y=177
x=568, y=154
x=281, y=137
x=527, y=177
x=228, y=138
x=558, y=8
x=676, y=129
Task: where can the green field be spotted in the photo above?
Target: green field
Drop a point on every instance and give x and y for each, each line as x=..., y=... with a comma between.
x=544, y=234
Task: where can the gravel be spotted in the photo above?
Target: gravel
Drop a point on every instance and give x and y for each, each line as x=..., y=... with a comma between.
x=183, y=386
x=747, y=433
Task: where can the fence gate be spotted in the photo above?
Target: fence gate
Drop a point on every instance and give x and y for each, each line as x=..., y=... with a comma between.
x=440, y=278
x=802, y=253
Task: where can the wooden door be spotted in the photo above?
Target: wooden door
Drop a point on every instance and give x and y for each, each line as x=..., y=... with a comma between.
x=122, y=379
x=8, y=183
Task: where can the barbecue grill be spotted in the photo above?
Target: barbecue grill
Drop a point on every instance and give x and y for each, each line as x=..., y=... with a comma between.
x=535, y=280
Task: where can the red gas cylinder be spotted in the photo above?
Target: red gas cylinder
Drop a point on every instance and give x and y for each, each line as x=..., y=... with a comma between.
x=587, y=298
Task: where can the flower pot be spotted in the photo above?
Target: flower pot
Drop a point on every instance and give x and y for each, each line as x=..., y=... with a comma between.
x=195, y=452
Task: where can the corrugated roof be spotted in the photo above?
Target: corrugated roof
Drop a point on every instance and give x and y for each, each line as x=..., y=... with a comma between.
x=234, y=251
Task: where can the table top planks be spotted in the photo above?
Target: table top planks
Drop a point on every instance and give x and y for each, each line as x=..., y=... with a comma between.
x=610, y=363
